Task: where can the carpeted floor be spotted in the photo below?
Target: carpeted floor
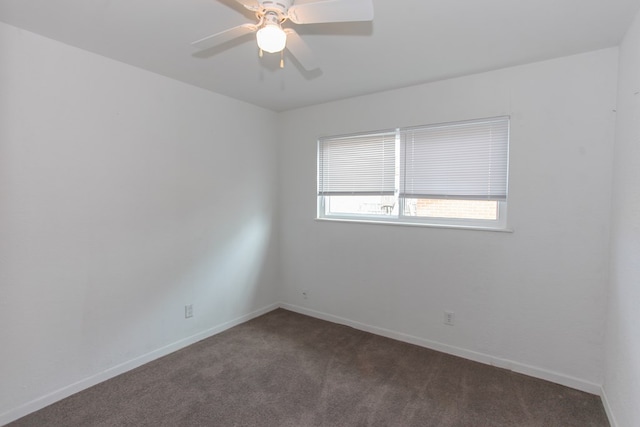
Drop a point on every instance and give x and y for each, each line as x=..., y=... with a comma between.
x=285, y=369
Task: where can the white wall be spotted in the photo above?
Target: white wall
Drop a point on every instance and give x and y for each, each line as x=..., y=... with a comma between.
x=622, y=372
x=533, y=299
x=116, y=210
x=124, y=195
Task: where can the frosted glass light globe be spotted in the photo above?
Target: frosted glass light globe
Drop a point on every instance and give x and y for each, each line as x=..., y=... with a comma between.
x=271, y=38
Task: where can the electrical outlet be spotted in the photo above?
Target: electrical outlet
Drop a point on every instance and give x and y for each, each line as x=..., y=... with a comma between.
x=188, y=311
x=449, y=318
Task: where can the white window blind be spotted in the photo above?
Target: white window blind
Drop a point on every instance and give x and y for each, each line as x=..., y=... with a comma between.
x=357, y=165
x=464, y=160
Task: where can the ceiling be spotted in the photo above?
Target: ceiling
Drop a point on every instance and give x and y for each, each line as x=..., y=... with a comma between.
x=409, y=41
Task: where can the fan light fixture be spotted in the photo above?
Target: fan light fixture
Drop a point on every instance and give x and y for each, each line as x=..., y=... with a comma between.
x=272, y=14
x=271, y=38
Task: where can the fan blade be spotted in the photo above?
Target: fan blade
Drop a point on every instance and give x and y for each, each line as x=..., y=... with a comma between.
x=332, y=11
x=224, y=36
x=250, y=4
x=300, y=50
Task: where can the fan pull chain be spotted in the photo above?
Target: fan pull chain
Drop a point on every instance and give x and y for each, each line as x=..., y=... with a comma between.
x=260, y=54
x=282, y=59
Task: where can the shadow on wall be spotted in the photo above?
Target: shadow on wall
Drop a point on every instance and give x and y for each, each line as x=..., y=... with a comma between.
x=228, y=276
x=222, y=268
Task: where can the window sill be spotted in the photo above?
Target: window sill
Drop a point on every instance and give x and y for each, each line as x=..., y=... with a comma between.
x=415, y=224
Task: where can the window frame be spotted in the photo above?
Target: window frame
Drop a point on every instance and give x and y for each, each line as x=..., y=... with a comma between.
x=499, y=224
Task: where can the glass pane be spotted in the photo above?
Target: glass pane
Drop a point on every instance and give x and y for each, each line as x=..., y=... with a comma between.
x=361, y=205
x=447, y=208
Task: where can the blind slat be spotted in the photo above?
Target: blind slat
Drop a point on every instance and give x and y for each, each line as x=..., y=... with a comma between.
x=466, y=160
x=357, y=165
x=463, y=160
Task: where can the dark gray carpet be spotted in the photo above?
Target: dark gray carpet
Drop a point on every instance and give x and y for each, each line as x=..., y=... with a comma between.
x=285, y=369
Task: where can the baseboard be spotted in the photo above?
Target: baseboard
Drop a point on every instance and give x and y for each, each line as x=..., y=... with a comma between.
x=607, y=408
x=114, y=371
x=532, y=371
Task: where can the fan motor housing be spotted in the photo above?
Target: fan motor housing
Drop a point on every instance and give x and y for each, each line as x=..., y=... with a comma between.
x=280, y=6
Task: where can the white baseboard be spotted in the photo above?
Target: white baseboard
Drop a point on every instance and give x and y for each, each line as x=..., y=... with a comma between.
x=607, y=408
x=514, y=366
x=114, y=371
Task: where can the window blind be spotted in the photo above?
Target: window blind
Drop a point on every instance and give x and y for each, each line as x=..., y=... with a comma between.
x=463, y=160
x=357, y=165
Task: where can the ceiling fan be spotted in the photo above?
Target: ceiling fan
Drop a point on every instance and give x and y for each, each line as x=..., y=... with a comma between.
x=271, y=14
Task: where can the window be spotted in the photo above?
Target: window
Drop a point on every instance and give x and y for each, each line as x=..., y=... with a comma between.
x=445, y=174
